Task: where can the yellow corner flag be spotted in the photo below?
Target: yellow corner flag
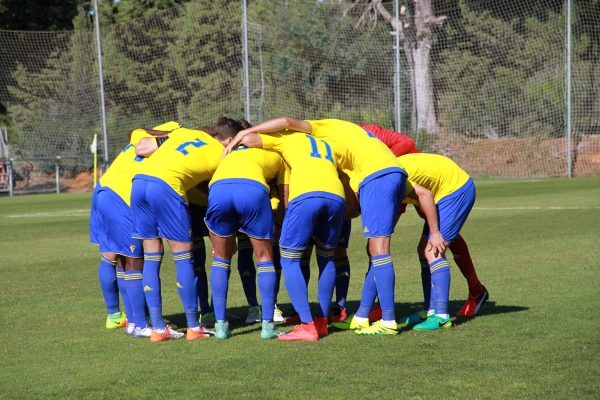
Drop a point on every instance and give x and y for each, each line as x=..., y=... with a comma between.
x=94, y=149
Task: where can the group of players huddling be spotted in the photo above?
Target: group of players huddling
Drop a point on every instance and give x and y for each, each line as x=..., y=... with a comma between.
x=276, y=189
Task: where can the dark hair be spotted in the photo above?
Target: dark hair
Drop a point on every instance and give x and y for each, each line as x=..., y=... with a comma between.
x=207, y=129
x=245, y=124
x=226, y=128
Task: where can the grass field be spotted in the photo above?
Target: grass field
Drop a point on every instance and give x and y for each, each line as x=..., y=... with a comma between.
x=534, y=243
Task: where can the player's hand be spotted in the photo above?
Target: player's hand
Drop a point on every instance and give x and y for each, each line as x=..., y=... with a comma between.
x=437, y=244
x=237, y=139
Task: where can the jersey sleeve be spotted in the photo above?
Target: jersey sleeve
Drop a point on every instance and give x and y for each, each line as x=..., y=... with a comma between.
x=138, y=135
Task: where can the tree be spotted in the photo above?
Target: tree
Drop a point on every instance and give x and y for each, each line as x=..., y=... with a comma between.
x=415, y=33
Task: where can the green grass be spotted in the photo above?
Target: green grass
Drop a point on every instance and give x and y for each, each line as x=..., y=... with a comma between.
x=534, y=244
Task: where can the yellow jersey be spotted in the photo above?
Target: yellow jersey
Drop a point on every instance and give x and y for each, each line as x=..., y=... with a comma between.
x=439, y=174
x=127, y=164
x=197, y=197
x=311, y=163
x=254, y=164
x=361, y=154
x=187, y=158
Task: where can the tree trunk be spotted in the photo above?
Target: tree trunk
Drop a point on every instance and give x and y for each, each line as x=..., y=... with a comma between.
x=416, y=36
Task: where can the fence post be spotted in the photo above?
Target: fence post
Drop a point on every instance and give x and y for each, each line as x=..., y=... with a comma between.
x=10, y=176
x=57, y=174
x=568, y=90
x=397, y=83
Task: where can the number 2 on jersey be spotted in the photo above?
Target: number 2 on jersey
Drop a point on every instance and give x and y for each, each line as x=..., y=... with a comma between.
x=196, y=143
x=315, y=150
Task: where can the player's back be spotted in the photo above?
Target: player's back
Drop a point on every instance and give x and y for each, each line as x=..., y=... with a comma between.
x=360, y=152
x=254, y=164
x=311, y=161
x=127, y=164
x=435, y=172
x=187, y=158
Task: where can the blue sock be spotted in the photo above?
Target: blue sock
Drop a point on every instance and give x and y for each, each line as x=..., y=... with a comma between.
x=277, y=264
x=305, y=268
x=247, y=271
x=219, y=283
x=107, y=276
x=326, y=280
x=385, y=279
x=369, y=293
x=342, y=280
x=199, y=253
x=266, y=284
x=123, y=291
x=295, y=282
x=152, y=288
x=426, y=282
x=135, y=290
x=440, y=283
x=186, y=286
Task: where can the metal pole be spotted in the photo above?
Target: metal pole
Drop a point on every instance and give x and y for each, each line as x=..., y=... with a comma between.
x=102, y=102
x=10, y=176
x=398, y=96
x=568, y=91
x=57, y=174
x=246, y=66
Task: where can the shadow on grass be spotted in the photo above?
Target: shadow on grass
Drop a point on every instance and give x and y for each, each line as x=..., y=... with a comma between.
x=237, y=315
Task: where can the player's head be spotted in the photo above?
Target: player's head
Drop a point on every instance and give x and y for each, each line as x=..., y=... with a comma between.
x=245, y=124
x=226, y=129
x=208, y=129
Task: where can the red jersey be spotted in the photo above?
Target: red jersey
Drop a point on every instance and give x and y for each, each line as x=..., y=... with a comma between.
x=398, y=143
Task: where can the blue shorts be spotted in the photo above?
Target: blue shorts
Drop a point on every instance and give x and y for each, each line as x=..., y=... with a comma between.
x=240, y=204
x=199, y=228
x=453, y=211
x=380, y=200
x=344, y=235
x=158, y=211
x=95, y=218
x=321, y=217
x=116, y=226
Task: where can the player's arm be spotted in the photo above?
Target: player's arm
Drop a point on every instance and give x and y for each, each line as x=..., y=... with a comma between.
x=425, y=198
x=146, y=146
x=252, y=140
x=403, y=145
x=272, y=125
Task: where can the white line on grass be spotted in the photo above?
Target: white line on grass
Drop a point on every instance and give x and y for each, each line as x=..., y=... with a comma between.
x=534, y=208
x=70, y=213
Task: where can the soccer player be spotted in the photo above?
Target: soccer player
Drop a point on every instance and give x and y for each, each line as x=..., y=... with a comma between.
x=445, y=193
x=380, y=182
x=315, y=208
x=239, y=200
x=111, y=226
x=400, y=145
x=160, y=210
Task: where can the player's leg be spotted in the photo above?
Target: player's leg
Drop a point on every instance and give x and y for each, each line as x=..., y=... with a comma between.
x=327, y=234
x=199, y=231
x=380, y=200
x=247, y=272
x=298, y=226
x=453, y=211
x=107, y=276
x=107, y=270
x=277, y=315
x=135, y=289
x=121, y=261
x=478, y=294
x=258, y=224
x=294, y=317
x=427, y=308
x=342, y=271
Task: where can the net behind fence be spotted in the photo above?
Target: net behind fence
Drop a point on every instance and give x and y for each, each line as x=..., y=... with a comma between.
x=481, y=82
